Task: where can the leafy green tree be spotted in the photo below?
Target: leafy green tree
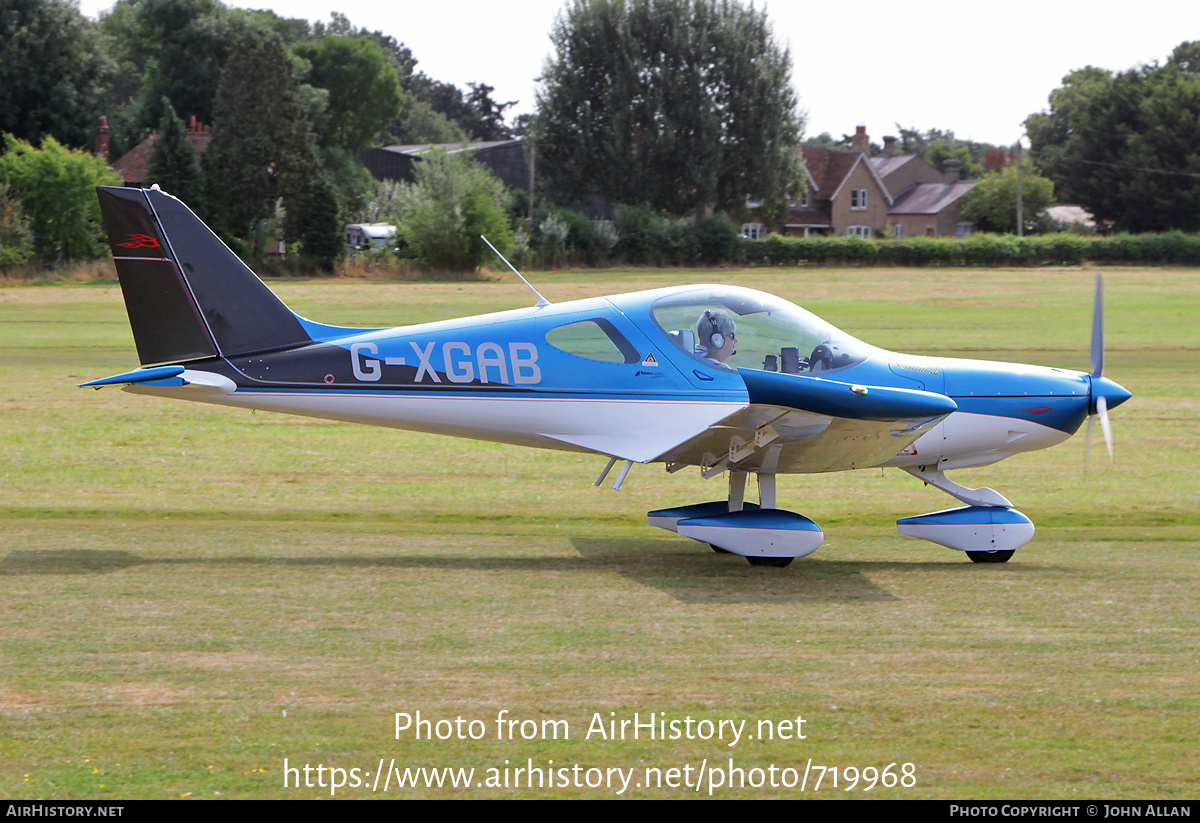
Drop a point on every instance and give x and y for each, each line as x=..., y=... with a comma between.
x=52, y=71
x=476, y=114
x=992, y=204
x=422, y=123
x=180, y=48
x=262, y=148
x=16, y=238
x=1124, y=145
x=685, y=105
x=56, y=187
x=172, y=163
x=935, y=146
x=450, y=203
x=317, y=226
x=485, y=119
x=364, y=88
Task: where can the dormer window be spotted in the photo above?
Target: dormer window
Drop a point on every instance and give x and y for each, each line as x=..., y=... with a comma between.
x=858, y=199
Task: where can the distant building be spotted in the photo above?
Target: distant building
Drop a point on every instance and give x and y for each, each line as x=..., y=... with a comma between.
x=926, y=202
x=132, y=165
x=850, y=192
x=503, y=158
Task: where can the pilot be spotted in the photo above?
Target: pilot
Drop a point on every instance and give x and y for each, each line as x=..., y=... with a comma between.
x=716, y=333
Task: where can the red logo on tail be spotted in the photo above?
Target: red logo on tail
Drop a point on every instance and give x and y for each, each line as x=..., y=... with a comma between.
x=139, y=241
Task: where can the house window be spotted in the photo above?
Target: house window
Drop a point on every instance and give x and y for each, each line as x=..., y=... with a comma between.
x=860, y=231
x=897, y=231
x=803, y=201
x=964, y=229
x=753, y=231
x=858, y=199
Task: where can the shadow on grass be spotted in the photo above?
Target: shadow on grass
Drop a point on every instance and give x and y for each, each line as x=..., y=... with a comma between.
x=687, y=572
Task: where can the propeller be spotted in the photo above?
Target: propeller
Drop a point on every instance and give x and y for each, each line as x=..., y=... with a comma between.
x=1104, y=392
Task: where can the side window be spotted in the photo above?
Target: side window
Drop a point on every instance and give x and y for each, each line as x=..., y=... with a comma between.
x=594, y=339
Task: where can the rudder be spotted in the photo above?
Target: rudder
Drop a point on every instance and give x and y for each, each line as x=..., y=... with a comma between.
x=188, y=296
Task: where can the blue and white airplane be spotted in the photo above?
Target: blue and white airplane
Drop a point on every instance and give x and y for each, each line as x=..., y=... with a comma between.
x=727, y=379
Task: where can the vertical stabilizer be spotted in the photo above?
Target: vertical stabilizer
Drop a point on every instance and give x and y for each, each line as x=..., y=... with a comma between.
x=188, y=296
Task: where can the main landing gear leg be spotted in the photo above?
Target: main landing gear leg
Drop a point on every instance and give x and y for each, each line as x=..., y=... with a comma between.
x=737, y=501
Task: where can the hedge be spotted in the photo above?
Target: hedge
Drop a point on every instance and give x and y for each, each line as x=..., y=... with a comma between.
x=1172, y=248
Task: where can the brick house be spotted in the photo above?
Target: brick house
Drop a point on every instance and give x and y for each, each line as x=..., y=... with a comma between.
x=850, y=192
x=132, y=165
x=926, y=202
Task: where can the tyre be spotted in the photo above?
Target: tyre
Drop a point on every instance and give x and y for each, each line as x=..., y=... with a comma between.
x=777, y=562
x=990, y=557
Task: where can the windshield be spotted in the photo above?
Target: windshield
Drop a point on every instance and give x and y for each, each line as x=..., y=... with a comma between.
x=742, y=328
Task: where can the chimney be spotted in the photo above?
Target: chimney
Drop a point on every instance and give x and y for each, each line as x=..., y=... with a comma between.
x=103, y=139
x=860, y=142
x=951, y=170
x=889, y=146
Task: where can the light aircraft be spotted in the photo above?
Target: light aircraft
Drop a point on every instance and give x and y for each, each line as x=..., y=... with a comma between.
x=727, y=379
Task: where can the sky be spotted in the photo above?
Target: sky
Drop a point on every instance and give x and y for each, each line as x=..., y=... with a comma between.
x=975, y=69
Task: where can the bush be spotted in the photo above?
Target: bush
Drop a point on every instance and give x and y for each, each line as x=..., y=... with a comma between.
x=450, y=203
x=56, y=187
x=645, y=236
x=16, y=238
x=711, y=241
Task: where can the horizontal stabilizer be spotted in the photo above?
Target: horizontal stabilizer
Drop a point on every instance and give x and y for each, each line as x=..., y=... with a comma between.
x=137, y=376
x=170, y=377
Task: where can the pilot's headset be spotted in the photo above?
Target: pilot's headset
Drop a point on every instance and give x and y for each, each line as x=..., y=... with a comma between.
x=712, y=332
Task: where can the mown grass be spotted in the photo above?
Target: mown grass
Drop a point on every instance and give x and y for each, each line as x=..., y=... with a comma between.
x=193, y=594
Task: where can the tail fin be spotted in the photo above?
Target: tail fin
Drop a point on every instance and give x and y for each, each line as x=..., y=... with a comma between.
x=188, y=296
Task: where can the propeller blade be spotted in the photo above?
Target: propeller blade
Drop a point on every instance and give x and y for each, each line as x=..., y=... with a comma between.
x=1102, y=413
x=1087, y=441
x=1098, y=328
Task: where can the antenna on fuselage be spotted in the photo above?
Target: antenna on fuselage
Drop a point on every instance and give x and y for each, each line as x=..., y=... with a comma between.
x=541, y=300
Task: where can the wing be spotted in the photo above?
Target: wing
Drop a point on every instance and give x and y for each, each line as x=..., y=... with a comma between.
x=801, y=423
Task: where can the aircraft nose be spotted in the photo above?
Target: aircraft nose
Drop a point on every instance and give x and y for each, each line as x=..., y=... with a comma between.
x=1114, y=393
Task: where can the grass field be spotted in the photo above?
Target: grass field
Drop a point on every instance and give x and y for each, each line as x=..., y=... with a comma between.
x=193, y=594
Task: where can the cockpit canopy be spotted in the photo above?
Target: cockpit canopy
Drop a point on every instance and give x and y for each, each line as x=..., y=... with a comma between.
x=770, y=333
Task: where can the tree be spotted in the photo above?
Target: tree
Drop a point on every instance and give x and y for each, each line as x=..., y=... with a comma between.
x=172, y=163
x=52, y=71
x=16, y=238
x=364, y=89
x=262, y=148
x=992, y=204
x=450, y=203
x=685, y=105
x=422, y=123
x=485, y=120
x=936, y=146
x=56, y=186
x=1124, y=145
x=316, y=225
x=476, y=115
x=179, y=48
